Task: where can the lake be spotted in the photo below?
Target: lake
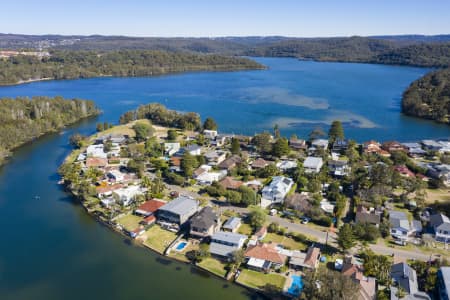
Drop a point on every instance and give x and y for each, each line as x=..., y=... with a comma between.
x=51, y=249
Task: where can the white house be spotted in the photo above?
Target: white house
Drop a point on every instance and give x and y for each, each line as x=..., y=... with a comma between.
x=276, y=191
x=286, y=165
x=171, y=148
x=401, y=227
x=441, y=226
x=194, y=149
x=127, y=195
x=223, y=244
x=210, y=134
x=115, y=175
x=207, y=178
x=320, y=143
x=96, y=151
x=215, y=157
x=312, y=164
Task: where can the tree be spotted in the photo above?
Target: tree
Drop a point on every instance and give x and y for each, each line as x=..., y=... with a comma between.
x=316, y=133
x=378, y=266
x=100, y=127
x=267, y=171
x=262, y=142
x=188, y=164
x=77, y=140
x=345, y=237
x=172, y=135
x=210, y=124
x=336, y=131
x=328, y=285
x=276, y=131
x=142, y=130
x=235, y=146
x=257, y=217
x=248, y=195
x=280, y=147
x=233, y=197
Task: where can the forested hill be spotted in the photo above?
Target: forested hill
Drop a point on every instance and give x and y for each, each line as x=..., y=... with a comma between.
x=85, y=64
x=429, y=97
x=24, y=119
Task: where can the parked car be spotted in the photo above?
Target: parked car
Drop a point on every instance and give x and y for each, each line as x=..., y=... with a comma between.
x=400, y=242
x=305, y=220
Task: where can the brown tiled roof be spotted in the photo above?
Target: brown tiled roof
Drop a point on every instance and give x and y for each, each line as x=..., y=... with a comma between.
x=312, y=256
x=229, y=183
x=151, y=205
x=260, y=163
x=96, y=162
x=175, y=161
x=230, y=162
x=266, y=252
x=108, y=188
x=149, y=220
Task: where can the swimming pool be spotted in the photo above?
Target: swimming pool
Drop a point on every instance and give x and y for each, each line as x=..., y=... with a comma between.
x=296, y=286
x=181, y=246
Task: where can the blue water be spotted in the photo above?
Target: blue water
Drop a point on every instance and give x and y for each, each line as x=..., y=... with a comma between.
x=181, y=246
x=296, y=95
x=297, y=285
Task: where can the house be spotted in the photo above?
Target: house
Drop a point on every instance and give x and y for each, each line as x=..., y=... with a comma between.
x=210, y=134
x=232, y=224
x=339, y=145
x=320, y=144
x=171, y=148
x=263, y=257
x=338, y=168
x=148, y=220
x=404, y=171
x=309, y=260
x=260, y=163
x=204, y=223
x=175, y=164
x=254, y=184
x=215, y=157
x=373, y=147
x=193, y=149
x=297, y=144
x=299, y=202
x=365, y=216
x=107, y=202
x=441, y=226
x=207, y=178
x=223, y=244
x=400, y=225
x=444, y=283
x=107, y=190
x=286, y=165
x=261, y=233
x=96, y=162
x=414, y=149
x=327, y=206
x=96, y=151
x=405, y=277
x=276, y=191
x=230, y=163
x=115, y=175
x=220, y=140
x=127, y=195
x=367, y=285
x=431, y=145
x=230, y=184
x=312, y=164
x=177, y=212
x=392, y=146
x=445, y=147
x=149, y=207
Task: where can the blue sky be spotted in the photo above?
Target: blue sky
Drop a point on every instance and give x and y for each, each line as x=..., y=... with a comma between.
x=225, y=18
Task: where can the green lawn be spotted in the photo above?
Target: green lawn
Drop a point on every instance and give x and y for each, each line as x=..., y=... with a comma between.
x=245, y=229
x=159, y=239
x=213, y=265
x=259, y=280
x=129, y=222
x=285, y=241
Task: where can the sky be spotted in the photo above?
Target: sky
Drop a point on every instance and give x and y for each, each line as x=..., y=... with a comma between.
x=194, y=18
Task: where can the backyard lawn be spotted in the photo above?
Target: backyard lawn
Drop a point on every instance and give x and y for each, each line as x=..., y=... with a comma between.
x=158, y=239
x=245, y=229
x=213, y=265
x=129, y=222
x=285, y=241
x=259, y=280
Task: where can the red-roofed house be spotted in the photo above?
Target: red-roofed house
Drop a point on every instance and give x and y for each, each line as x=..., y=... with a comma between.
x=404, y=171
x=230, y=184
x=375, y=147
x=367, y=285
x=149, y=207
x=263, y=257
x=96, y=162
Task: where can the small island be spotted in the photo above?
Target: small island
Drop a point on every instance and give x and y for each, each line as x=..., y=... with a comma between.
x=265, y=211
x=22, y=119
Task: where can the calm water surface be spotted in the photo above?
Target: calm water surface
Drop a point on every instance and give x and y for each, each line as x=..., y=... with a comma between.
x=51, y=249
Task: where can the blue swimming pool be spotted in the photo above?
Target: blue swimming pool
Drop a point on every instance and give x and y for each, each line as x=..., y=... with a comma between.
x=181, y=246
x=296, y=286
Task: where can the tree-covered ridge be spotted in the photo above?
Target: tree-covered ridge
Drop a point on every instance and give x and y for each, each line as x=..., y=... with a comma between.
x=23, y=119
x=429, y=97
x=85, y=64
x=160, y=115
x=421, y=55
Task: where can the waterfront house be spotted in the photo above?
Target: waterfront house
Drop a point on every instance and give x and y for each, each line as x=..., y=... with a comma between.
x=312, y=164
x=96, y=151
x=320, y=144
x=297, y=144
x=339, y=145
x=286, y=165
x=171, y=148
x=210, y=134
x=215, y=157
x=263, y=257
x=127, y=194
x=115, y=175
x=373, y=147
x=441, y=226
x=223, y=244
x=431, y=145
x=414, y=149
x=392, y=146
x=276, y=191
x=204, y=223
x=229, y=183
x=232, y=224
x=177, y=212
x=260, y=163
x=96, y=162
x=107, y=190
x=149, y=207
x=301, y=260
x=405, y=277
x=230, y=163
x=444, y=283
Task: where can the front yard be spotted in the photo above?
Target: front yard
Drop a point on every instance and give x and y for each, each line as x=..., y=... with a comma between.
x=259, y=280
x=214, y=266
x=286, y=242
x=158, y=239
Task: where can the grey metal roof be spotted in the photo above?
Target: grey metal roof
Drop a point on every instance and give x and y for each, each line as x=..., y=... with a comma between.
x=445, y=272
x=312, y=162
x=232, y=223
x=221, y=250
x=205, y=218
x=180, y=205
x=405, y=276
x=228, y=237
